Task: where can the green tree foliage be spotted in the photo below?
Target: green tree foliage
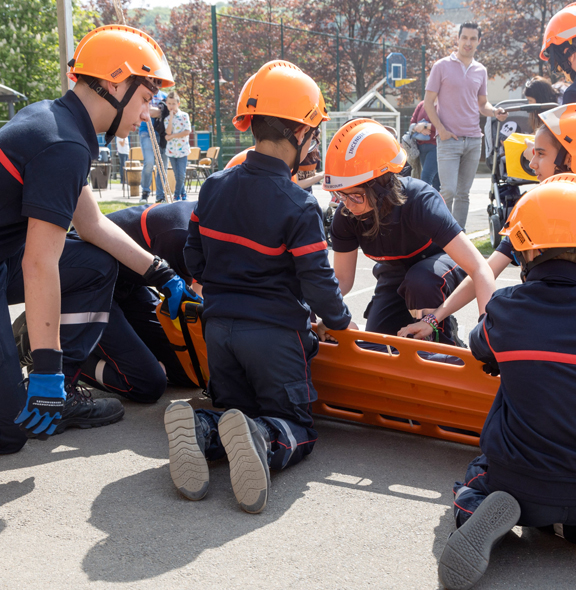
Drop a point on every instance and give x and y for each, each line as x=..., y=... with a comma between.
x=512, y=33
x=29, y=47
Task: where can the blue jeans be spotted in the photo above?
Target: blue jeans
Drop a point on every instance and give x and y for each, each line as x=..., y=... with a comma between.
x=148, y=154
x=457, y=165
x=429, y=164
x=179, y=168
x=263, y=370
x=122, y=158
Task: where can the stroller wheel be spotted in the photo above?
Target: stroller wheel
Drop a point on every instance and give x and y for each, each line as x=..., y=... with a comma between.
x=495, y=227
x=327, y=220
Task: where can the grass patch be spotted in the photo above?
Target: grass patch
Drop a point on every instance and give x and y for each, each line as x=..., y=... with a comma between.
x=484, y=246
x=110, y=206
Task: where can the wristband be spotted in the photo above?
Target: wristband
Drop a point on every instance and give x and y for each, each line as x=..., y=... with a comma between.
x=47, y=361
x=431, y=320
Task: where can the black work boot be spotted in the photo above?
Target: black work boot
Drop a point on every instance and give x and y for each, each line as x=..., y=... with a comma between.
x=467, y=553
x=81, y=411
x=187, y=445
x=246, y=444
x=20, y=332
x=453, y=322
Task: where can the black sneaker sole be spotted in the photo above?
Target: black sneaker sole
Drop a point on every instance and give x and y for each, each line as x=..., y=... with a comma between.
x=249, y=477
x=467, y=553
x=188, y=466
x=88, y=422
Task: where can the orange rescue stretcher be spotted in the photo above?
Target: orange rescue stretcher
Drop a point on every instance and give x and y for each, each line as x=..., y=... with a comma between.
x=396, y=388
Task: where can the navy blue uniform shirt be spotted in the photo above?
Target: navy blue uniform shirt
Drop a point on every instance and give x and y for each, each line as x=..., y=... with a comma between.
x=505, y=247
x=530, y=434
x=160, y=229
x=257, y=245
x=46, y=152
x=569, y=95
x=419, y=228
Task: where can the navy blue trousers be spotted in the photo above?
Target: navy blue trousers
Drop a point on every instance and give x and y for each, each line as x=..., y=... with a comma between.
x=468, y=495
x=126, y=358
x=264, y=371
x=87, y=277
x=424, y=285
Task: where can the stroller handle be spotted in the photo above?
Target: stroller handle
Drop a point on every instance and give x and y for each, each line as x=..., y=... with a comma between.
x=530, y=108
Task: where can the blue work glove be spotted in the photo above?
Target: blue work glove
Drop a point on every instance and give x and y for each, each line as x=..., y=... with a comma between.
x=44, y=406
x=161, y=276
x=176, y=291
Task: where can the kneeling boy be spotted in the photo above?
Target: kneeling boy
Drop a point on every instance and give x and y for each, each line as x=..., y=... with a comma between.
x=527, y=474
x=257, y=245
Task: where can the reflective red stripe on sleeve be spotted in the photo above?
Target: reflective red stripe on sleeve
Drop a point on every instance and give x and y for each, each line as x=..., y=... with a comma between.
x=194, y=217
x=309, y=249
x=531, y=355
x=234, y=239
x=401, y=257
x=143, y=225
x=11, y=169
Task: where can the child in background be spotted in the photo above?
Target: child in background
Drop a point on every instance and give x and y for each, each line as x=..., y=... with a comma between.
x=123, y=149
x=177, y=147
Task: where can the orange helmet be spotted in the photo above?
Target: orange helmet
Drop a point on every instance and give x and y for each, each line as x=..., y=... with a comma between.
x=562, y=123
x=239, y=159
x=361, y=150
x=560, y=28
x=545, y=217
x=281, y=89
x=116, y=52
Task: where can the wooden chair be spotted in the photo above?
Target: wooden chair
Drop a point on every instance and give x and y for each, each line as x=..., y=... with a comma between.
x=191, y=168
x=209, y=163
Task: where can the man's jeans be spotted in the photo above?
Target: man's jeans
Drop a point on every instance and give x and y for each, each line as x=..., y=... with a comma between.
x=457, y=165
x=148, y=154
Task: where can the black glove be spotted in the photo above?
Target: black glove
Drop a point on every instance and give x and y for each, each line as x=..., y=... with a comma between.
x=491, y=368
x=161, y=276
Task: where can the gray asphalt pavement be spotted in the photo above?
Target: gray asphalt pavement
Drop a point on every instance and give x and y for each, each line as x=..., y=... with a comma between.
x=370, y=508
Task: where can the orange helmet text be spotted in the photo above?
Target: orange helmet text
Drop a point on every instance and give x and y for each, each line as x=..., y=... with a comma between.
x=361, y=150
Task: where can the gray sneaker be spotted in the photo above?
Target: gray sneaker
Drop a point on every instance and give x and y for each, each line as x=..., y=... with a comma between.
x=467, y=553
x=246, y=448
x=186, y=441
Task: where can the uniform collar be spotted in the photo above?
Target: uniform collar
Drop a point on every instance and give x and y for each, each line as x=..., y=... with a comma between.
x=268, y=163
x=554, y=271
x=78, y=110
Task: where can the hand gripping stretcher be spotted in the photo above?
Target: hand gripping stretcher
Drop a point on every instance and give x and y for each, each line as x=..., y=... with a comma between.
x=393, y=387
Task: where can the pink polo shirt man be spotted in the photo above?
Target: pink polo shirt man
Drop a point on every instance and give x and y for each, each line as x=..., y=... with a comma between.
x=459, y=83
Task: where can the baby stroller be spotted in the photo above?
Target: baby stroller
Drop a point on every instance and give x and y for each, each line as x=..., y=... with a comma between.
x=505, y=190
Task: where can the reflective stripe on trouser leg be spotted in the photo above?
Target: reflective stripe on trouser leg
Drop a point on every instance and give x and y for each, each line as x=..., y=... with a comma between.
x=290, y=436
x=85, y=317
x=99, y=372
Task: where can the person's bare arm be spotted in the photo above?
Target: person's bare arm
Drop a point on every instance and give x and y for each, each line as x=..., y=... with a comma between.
x=488, y=110
x=44, y=245
x=306, y=182
x=97, y=229
x=429, y=99
x=177, y=135
x=345, y=269
x=461, y=296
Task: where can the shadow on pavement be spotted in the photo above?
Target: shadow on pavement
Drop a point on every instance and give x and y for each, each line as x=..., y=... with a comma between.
x=152, y=530
x=13, y=490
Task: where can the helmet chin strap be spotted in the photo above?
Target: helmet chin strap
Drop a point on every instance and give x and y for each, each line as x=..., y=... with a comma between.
x=119, y=104
x=558, y=58
x=288, y=134
x=547, y=255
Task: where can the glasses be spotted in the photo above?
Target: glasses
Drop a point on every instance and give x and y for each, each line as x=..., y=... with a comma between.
x=354, y=197
x=313, y=145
